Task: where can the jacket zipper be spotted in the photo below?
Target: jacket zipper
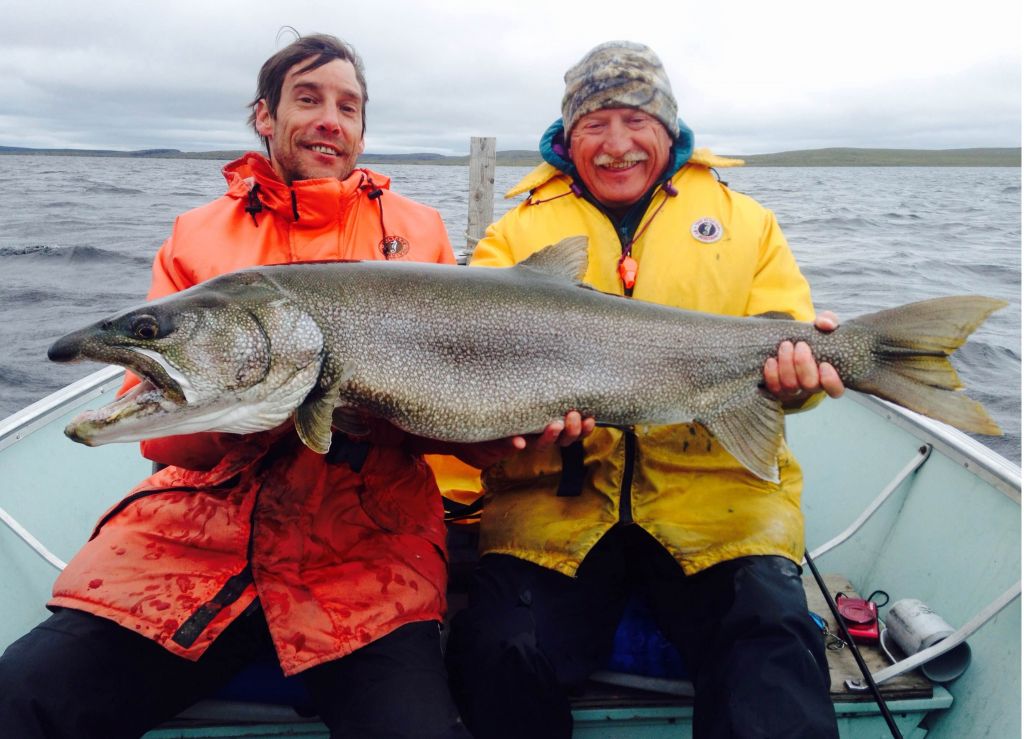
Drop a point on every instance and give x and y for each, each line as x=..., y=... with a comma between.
x=626, y=487
x=624, y=231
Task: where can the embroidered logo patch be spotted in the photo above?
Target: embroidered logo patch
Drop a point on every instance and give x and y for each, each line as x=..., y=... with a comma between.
x=706, y=230
x=394, y=247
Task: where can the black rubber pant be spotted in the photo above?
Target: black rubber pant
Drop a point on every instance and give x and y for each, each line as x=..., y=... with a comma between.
x=77, y=675
x=530, y=635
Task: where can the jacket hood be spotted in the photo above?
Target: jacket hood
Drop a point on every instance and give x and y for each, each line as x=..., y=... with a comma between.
x=252, y=177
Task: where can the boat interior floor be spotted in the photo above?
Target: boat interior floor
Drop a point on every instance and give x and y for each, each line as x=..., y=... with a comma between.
x=609, y=694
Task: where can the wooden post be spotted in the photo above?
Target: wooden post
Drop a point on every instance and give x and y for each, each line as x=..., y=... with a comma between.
x=481, y=188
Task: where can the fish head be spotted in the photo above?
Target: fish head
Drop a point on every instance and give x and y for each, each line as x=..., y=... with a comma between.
x=232, y=355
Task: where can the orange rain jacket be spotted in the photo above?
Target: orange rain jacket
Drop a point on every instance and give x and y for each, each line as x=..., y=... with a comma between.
x=340, y=549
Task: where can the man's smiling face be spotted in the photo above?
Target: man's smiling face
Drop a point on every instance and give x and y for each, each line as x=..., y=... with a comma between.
x=619, y=153
x=317, y=130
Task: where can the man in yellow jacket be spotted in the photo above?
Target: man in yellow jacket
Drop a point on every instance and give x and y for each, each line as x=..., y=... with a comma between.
x=570, y=533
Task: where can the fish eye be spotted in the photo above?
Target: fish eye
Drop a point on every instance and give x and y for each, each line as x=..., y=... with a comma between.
x=145, y=327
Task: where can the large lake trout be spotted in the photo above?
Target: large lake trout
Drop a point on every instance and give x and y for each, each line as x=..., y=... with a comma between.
x=463, y=354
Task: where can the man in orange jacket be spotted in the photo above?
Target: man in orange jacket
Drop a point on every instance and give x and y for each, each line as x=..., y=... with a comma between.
x=250, y=546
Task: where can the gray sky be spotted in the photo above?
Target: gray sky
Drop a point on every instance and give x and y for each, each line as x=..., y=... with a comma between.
x=751, y=76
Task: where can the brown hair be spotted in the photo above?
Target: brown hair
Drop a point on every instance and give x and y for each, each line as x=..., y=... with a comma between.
x=320, y=49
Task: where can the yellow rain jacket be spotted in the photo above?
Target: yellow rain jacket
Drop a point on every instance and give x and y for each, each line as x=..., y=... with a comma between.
x=676, y=482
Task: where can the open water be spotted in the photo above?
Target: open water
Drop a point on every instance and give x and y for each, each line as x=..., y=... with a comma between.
x=78, y=234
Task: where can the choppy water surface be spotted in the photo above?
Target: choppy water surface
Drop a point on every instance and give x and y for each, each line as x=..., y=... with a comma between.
x=77, y=237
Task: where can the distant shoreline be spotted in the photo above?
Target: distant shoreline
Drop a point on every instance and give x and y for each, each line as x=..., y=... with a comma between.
x=833, y=157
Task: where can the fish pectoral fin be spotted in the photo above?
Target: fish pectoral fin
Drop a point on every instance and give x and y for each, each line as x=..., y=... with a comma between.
x=316, y=421
x=751, y=431
x=315, y=417
x=567, y=260
x=313, y=422
x=322, y=412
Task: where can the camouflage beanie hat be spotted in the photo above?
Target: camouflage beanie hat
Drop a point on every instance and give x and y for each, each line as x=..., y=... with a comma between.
x=619, y=74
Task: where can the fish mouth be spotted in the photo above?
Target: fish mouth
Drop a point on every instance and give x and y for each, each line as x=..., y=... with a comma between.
x=141, y=402
x=150, y=365
x=157, y=393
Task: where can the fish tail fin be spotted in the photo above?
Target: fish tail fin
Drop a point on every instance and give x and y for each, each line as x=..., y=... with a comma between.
x=911, y=358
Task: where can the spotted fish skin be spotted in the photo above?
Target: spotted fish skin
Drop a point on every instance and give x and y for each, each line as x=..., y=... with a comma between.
x=468, y=355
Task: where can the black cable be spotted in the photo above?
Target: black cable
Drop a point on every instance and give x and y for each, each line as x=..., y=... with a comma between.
x=886, y=714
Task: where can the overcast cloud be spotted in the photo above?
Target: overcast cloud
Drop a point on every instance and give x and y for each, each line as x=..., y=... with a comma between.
x=750, y=76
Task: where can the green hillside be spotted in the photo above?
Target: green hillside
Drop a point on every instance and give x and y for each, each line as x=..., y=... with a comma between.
x=845, y=157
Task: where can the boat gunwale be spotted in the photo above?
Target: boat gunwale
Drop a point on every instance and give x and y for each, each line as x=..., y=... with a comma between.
x=987, y=464
x=22, y=423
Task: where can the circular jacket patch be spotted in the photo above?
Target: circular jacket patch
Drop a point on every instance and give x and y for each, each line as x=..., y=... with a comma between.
x=706, y=230
x=394, y=247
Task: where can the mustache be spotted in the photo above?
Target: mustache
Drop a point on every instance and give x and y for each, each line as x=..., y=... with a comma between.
x=632, y=157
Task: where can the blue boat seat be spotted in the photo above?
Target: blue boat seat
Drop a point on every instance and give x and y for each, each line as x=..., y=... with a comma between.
x=640, y=648
x=264, y=682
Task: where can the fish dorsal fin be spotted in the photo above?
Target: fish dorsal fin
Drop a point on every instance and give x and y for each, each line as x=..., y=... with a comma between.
x=314, y=418
x=567, y=259
x=750, y=429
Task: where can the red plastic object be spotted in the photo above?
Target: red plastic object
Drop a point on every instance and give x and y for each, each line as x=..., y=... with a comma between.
x=861, y=617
